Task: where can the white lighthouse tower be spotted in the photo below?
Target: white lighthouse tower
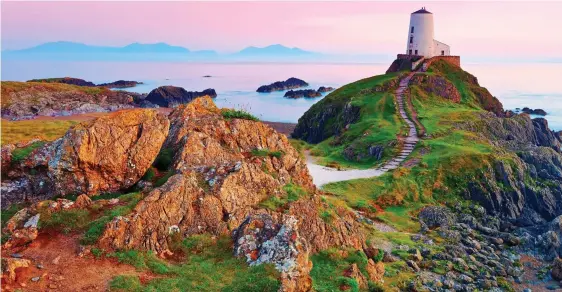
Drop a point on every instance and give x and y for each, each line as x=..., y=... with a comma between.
x=420, y=36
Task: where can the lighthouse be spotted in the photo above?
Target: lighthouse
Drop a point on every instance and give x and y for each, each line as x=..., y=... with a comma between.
x=421, y=40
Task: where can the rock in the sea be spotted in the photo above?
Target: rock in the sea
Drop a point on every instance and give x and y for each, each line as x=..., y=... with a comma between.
x=171, y=96
x=324, y=89
x=538, y=112
x=308, y=93
x=290, y=83
x=120, y=84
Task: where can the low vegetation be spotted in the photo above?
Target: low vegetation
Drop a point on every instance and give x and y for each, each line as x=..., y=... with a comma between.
x=20, y=154
x=237, y=114
x=266, y=153
x=208, y=266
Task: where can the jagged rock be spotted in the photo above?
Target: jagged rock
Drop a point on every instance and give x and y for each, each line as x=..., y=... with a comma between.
x=260, y=240
x=103, y=155
x=9, y=266
x=21, y=237
x=557, y=269
x=172, y=96
x=6, y=152
x=353, y=272
x=375, y=271
x=413, y=265
x=308, y=93
x=435, y=216
x=17, y=220
x=325, y=89
x=290, y=83
x=83, y=201
x=539, y=112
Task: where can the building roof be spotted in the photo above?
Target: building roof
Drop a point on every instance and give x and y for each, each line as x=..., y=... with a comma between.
x=422, y=10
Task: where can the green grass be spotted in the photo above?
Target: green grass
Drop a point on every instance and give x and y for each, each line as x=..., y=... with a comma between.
x=96, y=227
x=237, y=114
x=149, y=174
x=209, y=266
x=293, y=193
x=329, y=266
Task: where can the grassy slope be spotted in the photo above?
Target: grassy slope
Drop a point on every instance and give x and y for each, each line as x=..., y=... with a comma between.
x=8, y=87
x=379, y=123
x=448, y=160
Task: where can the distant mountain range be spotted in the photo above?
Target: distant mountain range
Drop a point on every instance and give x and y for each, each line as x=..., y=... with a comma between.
x=73, y=51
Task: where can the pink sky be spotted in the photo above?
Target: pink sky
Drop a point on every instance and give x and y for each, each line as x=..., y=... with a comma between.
x=477, y=29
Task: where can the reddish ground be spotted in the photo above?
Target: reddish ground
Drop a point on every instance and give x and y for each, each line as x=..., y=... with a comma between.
x=529, y=279
x=72, y=273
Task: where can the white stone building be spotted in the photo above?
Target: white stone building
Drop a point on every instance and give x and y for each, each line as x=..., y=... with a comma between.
x=420, y=36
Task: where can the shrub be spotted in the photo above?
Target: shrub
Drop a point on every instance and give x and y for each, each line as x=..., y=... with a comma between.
x=97, y=252
x=65, y=220
x=349, y=282
x=238, y=114
x=375, y=287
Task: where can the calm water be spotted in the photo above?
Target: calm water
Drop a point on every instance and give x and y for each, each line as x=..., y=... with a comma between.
x=516, y=85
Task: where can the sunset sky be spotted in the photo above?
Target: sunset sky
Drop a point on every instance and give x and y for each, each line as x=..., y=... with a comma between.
x=528, y=29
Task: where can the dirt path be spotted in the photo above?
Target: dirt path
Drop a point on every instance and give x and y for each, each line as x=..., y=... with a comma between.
x=70, y=272
x=322, y=175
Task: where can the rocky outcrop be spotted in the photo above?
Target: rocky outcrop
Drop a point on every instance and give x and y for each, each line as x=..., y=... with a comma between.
x=219, y=184
x=436, y=85
x=324, y=89
x=308, y=93
x=532, y=182
x=259, y=239
x=108, y=154
x=557, y=269
x=538, y=112
x=120, y=84
x=333, y=114
x=172, y=96
x=22, y=100
x=290, y=83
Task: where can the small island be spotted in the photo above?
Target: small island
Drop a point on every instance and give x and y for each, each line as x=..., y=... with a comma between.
x=171, y=96
x=323, y=89
x=82, y=82
x=307, y=93
x=530, y=111
x=290, y=83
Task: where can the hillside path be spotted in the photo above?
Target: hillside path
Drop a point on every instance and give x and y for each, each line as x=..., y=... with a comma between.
x=322, y=175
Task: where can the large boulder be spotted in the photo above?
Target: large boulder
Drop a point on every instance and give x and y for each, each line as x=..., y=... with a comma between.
x=557, y=269
x=108, y=154
x=171, y=96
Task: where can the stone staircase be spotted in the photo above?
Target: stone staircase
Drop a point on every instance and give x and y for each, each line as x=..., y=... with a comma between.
x=412, y=139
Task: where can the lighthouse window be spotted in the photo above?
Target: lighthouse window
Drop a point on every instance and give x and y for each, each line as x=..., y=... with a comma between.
x=416, y=52
x=411, y=39
x=442, y=53
x=412, y=30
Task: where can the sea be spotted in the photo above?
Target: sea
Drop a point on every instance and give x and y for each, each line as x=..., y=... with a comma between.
x=516, y=85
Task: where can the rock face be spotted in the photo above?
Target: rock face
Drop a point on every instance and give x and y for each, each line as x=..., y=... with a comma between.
x=503, y=189
x=290, y=83
x=171, y=96
x=108, y=154
x=308, y=93
x=557, y=269
x=437, y=85
x=219, y=183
